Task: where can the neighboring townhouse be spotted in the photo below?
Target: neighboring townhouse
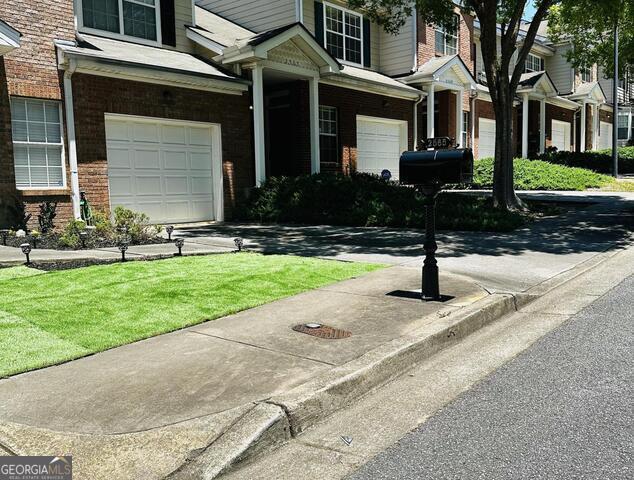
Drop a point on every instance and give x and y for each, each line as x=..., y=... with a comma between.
x=626, y=105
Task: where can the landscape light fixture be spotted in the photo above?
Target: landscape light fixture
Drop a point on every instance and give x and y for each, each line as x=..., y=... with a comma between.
x=123, y=247
x=4, y=234
x=169, y=229
x=82, y=238
x=239, y=243
x=26, y=250
x=179, y=244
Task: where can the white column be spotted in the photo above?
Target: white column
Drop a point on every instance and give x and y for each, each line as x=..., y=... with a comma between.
x=542, y=125
x=582, y=134
x=258, y=125
x=72, y=144
x=430, y=111
x=313, y=87
x=459, y=125
x=525, y=126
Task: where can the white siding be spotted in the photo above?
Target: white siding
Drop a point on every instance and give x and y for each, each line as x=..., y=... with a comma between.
x=606, y=85
x=309, y=23
x=256, y=15
x=560, y=71
x=397, y=51
x=183, y=15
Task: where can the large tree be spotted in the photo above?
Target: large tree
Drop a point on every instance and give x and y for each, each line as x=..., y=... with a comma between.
x=588, y=25
x=500, y=24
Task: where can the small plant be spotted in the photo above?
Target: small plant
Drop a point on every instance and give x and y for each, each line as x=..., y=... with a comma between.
x=20, y=215
x=135, y=224
x=48, y=212
x=35, y=235
x=70, y=237
x=103, y=226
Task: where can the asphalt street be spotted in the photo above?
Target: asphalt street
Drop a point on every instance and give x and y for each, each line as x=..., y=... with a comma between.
x=563, y=409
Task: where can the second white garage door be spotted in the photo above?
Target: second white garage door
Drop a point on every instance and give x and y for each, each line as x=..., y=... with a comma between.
x=560, y=136
x=605, y=135
x=167, y=169
x=380, y=142
x=486, y=140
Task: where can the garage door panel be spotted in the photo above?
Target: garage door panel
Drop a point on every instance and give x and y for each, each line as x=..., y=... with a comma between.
x=176, y=185
x=173, y=159
x=486, y=140
x=164, y=170
x=174, y=134
x=605, y=135
x=147, y=159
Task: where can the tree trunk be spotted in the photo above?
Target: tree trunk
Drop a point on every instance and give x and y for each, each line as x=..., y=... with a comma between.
x=503, y=189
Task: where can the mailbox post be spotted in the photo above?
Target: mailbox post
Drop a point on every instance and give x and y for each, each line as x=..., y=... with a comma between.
x=428, y=171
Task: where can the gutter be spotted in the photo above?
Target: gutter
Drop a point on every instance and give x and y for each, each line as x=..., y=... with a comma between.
x=415, y=124
x=70, y=131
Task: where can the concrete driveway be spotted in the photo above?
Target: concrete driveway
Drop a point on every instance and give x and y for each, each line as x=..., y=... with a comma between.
x=511, y=262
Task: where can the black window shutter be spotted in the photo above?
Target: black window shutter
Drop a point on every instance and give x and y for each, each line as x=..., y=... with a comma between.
x=168, y=23
x=367, y=40
x=319, y=23
x=541, y=64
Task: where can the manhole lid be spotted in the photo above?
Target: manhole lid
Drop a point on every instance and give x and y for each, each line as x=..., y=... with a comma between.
x=322, y=331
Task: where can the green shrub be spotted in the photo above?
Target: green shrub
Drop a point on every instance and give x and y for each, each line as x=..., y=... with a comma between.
x=135, y=224
x=366, y=200
x=70, y=235
x=103, y=225
x=597, y=160
x=540, y=175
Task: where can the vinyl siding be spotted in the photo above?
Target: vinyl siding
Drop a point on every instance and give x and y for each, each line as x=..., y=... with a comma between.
x=560, y=70
x=397, y=51
x=256, y=15
x=183, y=15
x=606, y=85
x=375, y=30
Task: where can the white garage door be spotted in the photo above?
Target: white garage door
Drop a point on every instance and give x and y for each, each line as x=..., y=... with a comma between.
x=605, y=135
x=380, y=143
x=560, y=136
x=164, y=168
x=486, y=142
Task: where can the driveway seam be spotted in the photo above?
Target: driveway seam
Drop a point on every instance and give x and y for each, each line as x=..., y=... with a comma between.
x=265, y=348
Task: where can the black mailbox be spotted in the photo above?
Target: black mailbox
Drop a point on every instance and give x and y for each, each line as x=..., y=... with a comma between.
x=436, y=167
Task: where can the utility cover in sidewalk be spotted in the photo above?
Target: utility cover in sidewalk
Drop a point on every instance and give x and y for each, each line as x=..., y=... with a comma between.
x=321, y=331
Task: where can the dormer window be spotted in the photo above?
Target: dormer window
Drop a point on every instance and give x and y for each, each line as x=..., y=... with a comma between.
x=447, y=39
x=586, y=74
x=122, y=18
x=343, y=34
x=533, y=64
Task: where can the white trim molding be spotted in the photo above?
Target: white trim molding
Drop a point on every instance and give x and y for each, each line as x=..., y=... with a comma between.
x=9, y=38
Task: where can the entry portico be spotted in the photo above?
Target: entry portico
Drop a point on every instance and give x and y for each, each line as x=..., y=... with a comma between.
x=535, y=86
x=447, y=73
x=282, y=55
x=589, y=96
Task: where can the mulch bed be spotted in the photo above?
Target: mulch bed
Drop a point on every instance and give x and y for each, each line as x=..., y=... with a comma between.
x=51, y=242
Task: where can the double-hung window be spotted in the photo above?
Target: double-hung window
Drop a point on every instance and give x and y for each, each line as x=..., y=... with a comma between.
x=447, y=39
x=328, y=145
x=623, y=126
x=343, y=34
x=133, y=18
x=533, y=64
x=465, y=129
x=37, y=143
x=586, y=74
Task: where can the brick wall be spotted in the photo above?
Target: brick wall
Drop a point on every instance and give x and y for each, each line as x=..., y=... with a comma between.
x=554, y=112
x=95, y=96
x=484, y=109
x=349, y=104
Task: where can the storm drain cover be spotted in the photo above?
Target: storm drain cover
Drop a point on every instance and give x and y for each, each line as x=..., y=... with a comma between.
x=321, y=331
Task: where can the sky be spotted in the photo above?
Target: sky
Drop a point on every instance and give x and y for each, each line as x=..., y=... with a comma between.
x=529, y=11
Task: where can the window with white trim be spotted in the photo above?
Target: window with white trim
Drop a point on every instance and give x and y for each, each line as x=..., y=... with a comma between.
x=465, y=129
x=533, y=64
x=328, y=144
x=447, y=39
x=37, y=143
x=623, y=127
x=343, y=34
x=132, y=18
x=586, y=74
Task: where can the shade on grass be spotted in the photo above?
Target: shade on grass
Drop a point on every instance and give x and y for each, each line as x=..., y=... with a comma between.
x=47, y=319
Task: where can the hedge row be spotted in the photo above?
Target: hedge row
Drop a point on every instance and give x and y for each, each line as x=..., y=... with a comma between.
x=597, y=160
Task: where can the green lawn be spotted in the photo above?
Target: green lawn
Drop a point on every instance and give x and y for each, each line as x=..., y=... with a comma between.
x=50, y=318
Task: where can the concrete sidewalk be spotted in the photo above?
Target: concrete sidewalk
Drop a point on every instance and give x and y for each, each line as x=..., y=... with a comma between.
x=152, y=403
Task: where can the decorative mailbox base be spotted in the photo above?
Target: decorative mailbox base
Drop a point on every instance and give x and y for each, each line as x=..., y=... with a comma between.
x=430, y=285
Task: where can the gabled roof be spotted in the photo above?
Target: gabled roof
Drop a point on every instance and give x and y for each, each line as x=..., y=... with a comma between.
x=588, y=91
x=433, y=70
x=258, y=46
x=217, y=30
x=349, y=76
x=535, y=81
x=107, y=55
x=9, y=38
x=541, y=40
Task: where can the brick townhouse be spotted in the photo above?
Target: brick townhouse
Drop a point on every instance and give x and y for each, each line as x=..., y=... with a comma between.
x=177, y=107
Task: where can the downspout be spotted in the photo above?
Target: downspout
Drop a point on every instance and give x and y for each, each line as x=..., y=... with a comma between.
x=299, y=11
x=70, y=131
x=473, y=118
x=416, y=104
